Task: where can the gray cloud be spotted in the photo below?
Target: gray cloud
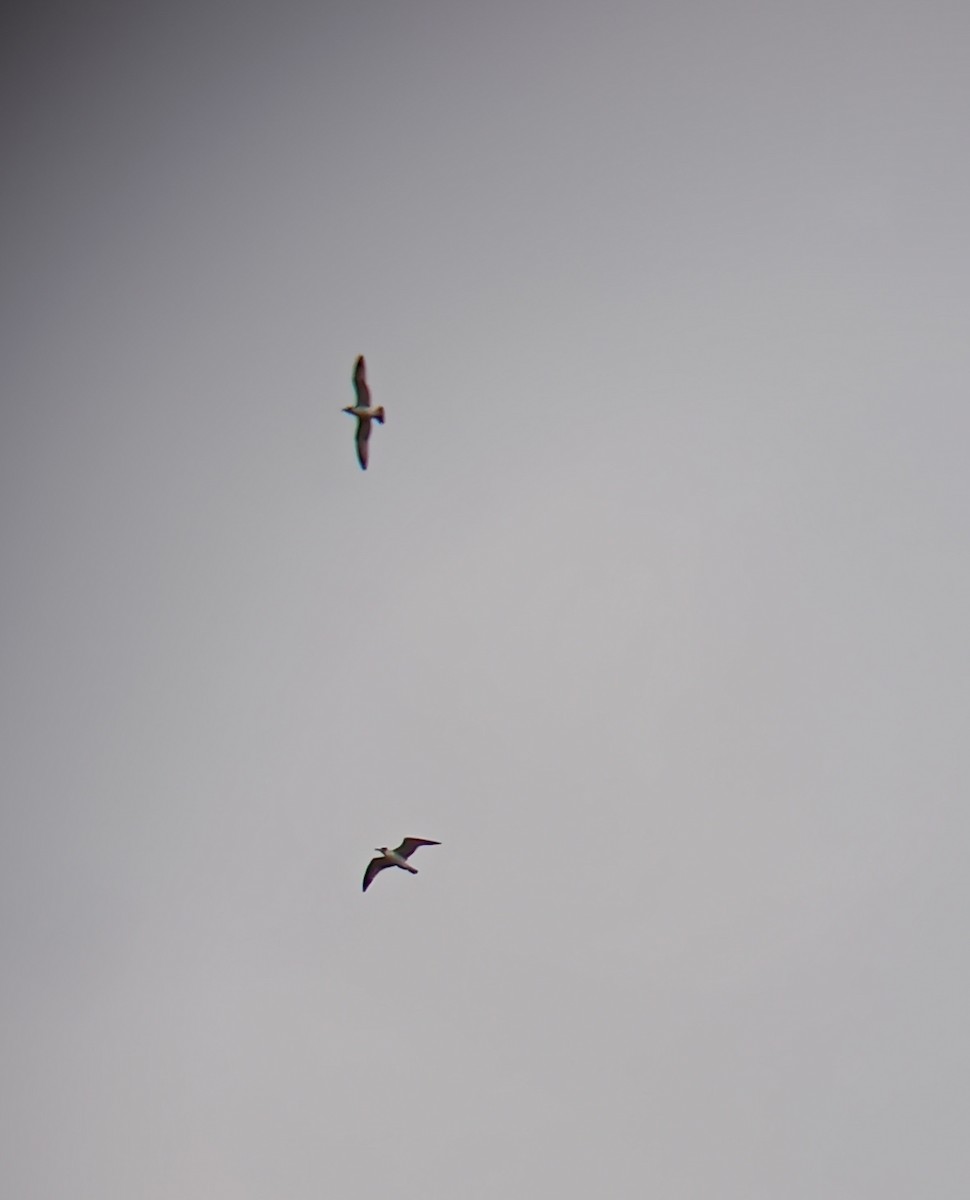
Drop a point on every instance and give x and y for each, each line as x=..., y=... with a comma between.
x=652, y=606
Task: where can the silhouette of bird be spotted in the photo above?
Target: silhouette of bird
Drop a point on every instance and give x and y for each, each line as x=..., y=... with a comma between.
x=363, y=411
x=395, y=858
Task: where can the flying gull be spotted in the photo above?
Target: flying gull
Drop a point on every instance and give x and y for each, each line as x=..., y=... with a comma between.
x=395, y=858
x=363, y=411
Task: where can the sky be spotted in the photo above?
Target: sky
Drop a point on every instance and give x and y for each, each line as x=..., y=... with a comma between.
x=651, y=607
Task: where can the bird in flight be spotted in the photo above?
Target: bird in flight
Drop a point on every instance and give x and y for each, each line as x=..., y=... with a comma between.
x=395, y=858
x=363, y=411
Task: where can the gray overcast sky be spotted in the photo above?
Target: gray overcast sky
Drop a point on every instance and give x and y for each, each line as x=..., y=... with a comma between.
x=652, y=606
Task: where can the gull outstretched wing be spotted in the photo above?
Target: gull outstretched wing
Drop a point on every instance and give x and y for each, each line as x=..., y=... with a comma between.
x=363, y=433
x=360, y=383
x=373, y=867
x=409, y=845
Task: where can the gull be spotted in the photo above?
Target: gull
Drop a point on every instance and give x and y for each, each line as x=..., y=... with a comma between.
x=395, y=858
x=363, y=411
